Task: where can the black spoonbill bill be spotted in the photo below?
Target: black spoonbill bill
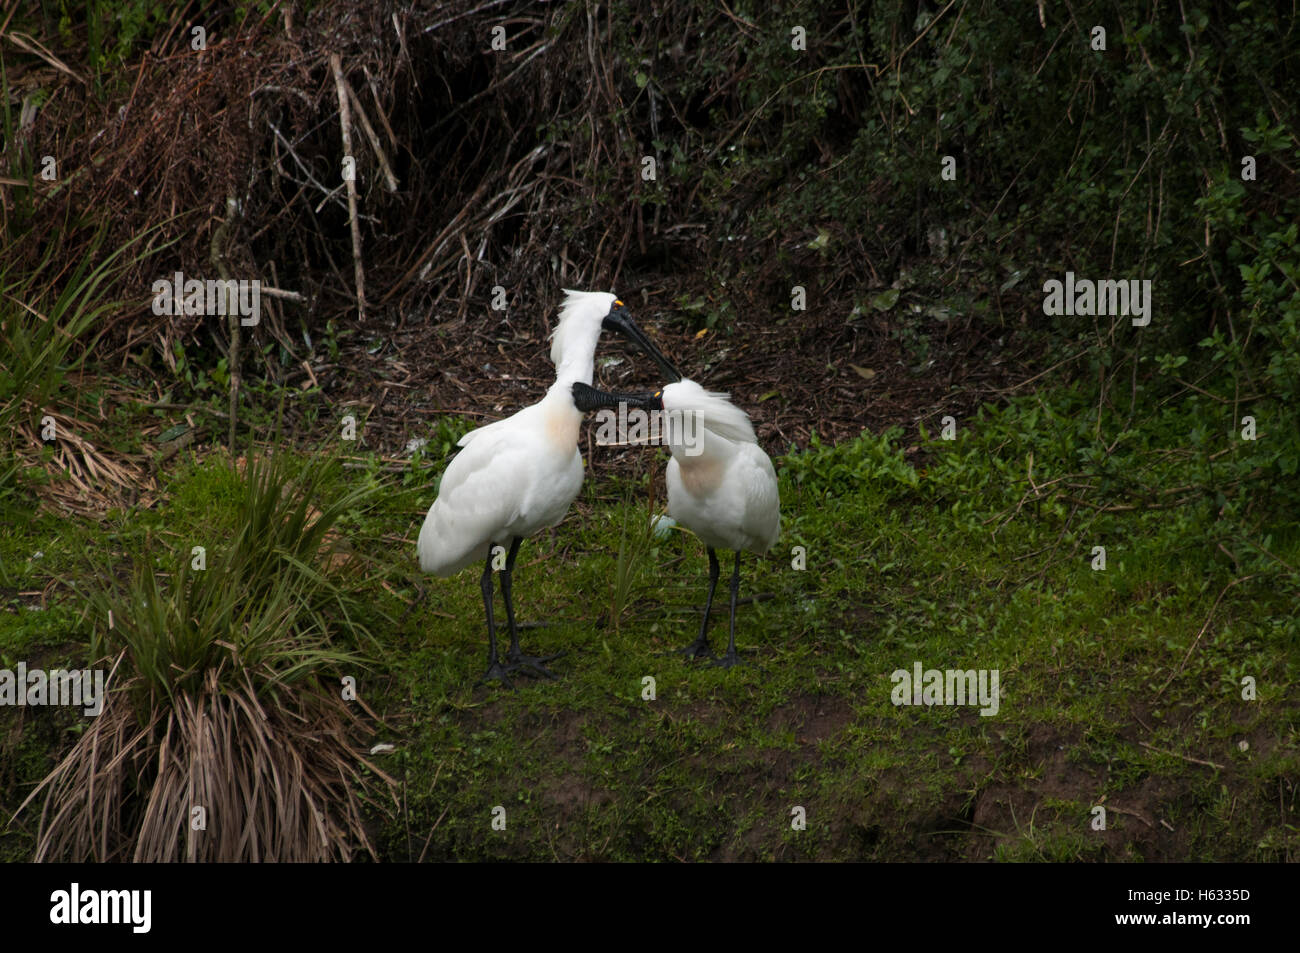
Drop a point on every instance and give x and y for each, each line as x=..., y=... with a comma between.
x=519, y=475
x=721, y=485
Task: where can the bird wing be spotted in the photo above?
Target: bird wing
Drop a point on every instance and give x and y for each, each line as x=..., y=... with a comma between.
x=477, y=497
x=763, y=498
x=510, y=480
x=514, y=420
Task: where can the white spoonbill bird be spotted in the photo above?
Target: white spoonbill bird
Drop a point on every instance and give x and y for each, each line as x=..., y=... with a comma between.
x=519, y=475
x=721, y=485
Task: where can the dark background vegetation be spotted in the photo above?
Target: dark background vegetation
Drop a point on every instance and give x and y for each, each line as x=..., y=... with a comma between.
x=775, y=168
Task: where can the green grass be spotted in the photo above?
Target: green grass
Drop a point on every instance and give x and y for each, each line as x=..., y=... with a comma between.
x=1109, y=698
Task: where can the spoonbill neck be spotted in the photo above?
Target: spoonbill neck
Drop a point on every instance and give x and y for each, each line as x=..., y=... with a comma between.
x=576, y=362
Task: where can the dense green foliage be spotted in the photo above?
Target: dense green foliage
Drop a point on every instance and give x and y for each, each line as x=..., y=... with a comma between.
x=1126, y=162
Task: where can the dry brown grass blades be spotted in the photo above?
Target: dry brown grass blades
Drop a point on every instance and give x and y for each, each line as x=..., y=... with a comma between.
x=82, y=479
x=272, y=783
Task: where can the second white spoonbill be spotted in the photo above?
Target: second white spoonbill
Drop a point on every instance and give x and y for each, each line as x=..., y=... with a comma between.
x=721, y=485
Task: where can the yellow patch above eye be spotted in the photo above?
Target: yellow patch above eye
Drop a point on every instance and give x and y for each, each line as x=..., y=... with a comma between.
x=618, y=303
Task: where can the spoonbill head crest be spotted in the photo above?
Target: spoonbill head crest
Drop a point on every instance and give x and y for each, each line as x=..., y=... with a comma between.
x=715, y=411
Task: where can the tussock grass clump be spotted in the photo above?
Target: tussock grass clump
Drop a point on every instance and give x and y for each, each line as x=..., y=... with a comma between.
x=223, y=736
x=51, y=317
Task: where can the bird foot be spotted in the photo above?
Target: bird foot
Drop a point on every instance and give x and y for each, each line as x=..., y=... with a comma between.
x=729, y=660
x=497, y=672
x=532, y=665
x=697, y=649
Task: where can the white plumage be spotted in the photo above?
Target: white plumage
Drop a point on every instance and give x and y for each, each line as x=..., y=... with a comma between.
x=518, y=475
x=727, y=492
x=508, y=482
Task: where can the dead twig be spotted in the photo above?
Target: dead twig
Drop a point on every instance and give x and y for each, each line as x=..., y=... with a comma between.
x=1175, y=754
x=390, y=180
x=217, y=254
x=1196, y=640
x=345, y=123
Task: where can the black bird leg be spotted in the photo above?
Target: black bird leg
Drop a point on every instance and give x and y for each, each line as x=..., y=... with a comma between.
x=495, y=669
x=700, y=647
x=731, y=658
x=519, y=662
